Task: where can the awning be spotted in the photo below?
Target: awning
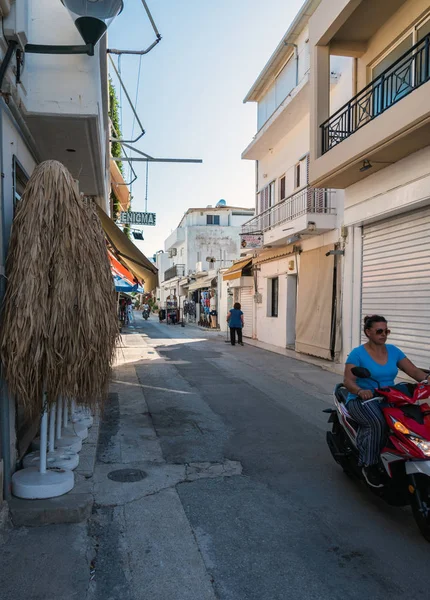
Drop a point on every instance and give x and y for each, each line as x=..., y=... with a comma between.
x=204, y=282
x=273, y=254
x=119, y=270
x=127, y=253
x=120, y=189
x=235, y=271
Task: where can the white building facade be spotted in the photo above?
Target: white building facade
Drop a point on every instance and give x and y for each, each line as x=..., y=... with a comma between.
x=296, y=285
x=376, y=148
x=206, y=241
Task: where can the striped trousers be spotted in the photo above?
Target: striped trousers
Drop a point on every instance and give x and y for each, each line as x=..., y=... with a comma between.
x=371, y=432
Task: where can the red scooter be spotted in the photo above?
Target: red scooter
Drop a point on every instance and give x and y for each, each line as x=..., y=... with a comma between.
x=404, y=463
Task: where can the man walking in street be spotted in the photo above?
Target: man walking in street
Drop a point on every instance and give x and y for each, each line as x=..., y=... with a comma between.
x=235, y=321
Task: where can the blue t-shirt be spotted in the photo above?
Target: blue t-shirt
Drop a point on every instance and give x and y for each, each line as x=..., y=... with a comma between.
x=385, y=374
x=235, y=318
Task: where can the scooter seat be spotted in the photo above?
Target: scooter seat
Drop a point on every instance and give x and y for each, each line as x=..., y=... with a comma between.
x=341, y=393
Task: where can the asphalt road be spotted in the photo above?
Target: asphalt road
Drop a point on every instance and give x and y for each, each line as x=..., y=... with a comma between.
x=239, y=498
x=293, y=525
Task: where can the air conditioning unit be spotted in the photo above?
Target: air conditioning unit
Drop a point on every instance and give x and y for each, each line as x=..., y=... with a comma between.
x=16, y=23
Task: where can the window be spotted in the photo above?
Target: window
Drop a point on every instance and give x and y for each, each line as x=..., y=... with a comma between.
x=282, y=188
x=212, y=219
x=267, y=197
x=273, y=296
x=297, y=175
x=20, y=179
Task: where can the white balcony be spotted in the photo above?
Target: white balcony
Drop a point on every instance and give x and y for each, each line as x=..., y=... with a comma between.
x=311, y=211
x=285, y=117
x=175, y=238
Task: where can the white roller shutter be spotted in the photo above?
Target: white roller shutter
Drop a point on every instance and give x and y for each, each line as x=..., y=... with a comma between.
x=247, y=305
x=396, y=280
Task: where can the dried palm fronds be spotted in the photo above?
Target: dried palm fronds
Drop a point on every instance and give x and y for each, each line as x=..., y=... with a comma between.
x=59, y=324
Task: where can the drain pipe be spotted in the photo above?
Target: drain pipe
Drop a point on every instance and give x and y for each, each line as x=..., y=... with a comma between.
x=296, y=58
x=4, y=396
x=11, y=46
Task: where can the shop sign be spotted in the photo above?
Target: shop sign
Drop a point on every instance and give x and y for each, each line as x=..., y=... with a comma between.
x=137, y=218
x=251, y=240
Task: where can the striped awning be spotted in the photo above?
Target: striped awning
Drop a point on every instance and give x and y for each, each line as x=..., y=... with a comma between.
x=235, y=271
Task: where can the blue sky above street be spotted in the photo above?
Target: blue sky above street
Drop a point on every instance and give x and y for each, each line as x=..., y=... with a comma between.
x=190, y=99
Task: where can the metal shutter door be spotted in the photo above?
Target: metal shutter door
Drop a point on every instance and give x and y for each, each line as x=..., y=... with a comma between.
x=247, y=304
x=396, y=280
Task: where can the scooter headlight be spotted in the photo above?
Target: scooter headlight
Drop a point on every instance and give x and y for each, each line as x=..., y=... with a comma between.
x=420, y=443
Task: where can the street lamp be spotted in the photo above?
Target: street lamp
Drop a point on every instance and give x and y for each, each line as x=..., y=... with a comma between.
x=92, y=18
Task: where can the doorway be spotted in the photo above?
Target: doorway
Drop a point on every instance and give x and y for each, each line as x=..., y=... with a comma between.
x=291, y=310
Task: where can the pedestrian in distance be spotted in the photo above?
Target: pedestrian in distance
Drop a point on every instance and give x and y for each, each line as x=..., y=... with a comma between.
x=235, y=322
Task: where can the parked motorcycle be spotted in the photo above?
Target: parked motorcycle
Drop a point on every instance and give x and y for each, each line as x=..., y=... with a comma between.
x=145, y=314
x=404, y=463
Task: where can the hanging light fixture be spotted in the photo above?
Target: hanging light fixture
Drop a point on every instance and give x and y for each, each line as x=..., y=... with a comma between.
x=93, y=17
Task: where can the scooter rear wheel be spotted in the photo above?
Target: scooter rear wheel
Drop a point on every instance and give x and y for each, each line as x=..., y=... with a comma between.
x=420, y=503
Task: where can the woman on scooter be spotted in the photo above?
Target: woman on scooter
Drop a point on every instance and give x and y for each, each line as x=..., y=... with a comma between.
x=383, y=361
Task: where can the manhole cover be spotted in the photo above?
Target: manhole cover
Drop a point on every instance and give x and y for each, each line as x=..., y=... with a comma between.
x=127, y=475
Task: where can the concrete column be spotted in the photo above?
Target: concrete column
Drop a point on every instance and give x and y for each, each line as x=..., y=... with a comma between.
x=320, y=97
x=351, y=303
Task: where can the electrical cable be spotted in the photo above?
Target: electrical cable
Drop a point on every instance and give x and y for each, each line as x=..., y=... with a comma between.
x=146, y=187
x=135, y=105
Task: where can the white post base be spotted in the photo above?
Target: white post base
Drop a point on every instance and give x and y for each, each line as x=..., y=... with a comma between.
x=30, y=484
x=82, y=419
x=58, y=459
x=67, y=442
x=75, y=429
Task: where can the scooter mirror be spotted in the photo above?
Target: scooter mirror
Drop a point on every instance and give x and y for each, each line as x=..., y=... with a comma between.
x=361, y=372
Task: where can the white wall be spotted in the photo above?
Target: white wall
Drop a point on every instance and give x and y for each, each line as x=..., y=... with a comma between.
x=59, y=84
x=272, y=330
x=12, y=144
x=341, y=89
x=402, y=186
x=223, y=243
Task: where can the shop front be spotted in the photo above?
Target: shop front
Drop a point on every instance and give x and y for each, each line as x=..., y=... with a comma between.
x=241, y=283
x=203, y=293
x=396, y=279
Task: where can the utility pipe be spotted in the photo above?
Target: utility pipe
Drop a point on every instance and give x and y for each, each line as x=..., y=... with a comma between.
x=11, y=47
x=4, y=396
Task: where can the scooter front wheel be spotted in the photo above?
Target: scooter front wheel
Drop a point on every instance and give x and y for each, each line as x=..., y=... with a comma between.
x=419, y=490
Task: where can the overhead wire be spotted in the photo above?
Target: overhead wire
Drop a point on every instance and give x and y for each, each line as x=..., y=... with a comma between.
x=136, y=101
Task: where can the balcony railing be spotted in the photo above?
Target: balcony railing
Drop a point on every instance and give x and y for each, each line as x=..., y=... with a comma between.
x=401, y=78
x=307, y=201
x=175, y=271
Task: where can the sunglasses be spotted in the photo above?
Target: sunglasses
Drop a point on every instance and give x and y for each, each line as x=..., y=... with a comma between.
x=381, y=331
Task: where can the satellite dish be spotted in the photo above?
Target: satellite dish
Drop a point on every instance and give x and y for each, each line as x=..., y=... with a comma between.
x=221, y=202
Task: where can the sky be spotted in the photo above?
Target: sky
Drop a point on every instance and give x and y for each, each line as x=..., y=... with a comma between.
x=190, y=99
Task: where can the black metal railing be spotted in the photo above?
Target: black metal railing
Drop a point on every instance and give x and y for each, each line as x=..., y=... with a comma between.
x=309, y=200
x=401, y=78
x=175, y=271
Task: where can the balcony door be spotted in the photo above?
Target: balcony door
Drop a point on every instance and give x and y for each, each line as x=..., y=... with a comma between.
x=393, y=78
x=266, y=201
